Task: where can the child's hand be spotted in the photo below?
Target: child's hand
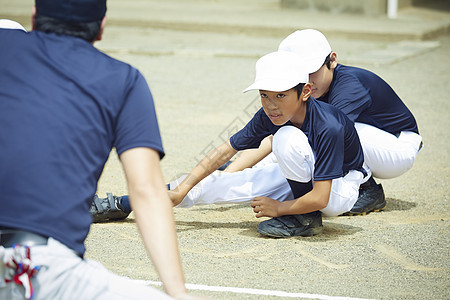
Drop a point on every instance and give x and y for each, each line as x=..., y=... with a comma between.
x=176, y=196
x=265, y=207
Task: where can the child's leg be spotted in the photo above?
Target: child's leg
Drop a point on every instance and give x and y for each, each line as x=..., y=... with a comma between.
x=238, y=187
x=386, y=155
x=264, y=179
x=296, y=160
x=344, y=194
x=294, y=154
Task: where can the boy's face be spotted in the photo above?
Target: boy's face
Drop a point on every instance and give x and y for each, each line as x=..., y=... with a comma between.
x=282, y=107
x=321, y=79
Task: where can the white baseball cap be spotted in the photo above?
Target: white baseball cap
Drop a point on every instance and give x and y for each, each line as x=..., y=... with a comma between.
x=278, y=72
x=9, y=24
x=310, y=44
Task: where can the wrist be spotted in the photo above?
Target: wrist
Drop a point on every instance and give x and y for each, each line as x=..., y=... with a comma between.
x=179, y=294
x=183, y=189
x=283, y=208
x=175, y=287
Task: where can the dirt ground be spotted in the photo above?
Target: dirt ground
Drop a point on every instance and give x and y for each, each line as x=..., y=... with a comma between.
x=401, y=253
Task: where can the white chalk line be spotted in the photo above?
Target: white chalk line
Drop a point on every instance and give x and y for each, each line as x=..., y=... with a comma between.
x=237, y=290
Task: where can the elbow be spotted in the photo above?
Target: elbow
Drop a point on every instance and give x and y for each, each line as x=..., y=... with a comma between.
x=323, y=202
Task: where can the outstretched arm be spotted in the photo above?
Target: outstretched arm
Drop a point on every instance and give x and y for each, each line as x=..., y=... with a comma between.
x=248, y=158
x=211, y=162
x=154, y=216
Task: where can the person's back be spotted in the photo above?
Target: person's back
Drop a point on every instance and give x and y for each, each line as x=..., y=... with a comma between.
x=59, y=107
x=63, y=106
x=366, y=98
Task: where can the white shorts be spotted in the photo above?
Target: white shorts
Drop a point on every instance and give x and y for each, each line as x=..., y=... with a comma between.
x=64, y=275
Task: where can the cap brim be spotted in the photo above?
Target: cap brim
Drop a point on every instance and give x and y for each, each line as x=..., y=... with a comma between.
x=273, y=85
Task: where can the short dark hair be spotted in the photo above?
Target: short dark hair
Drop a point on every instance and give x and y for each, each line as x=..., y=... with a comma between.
x=299, y=89
x=327, y=61
x=86, y=31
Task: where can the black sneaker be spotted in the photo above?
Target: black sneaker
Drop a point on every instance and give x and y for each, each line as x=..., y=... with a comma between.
x=292, y=225
x=107, y=209
x=371, y=198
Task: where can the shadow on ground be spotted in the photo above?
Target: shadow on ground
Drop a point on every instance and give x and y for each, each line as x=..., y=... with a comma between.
x=331, y=231
x=396, y=204
x=222, y=208
x=196, y=225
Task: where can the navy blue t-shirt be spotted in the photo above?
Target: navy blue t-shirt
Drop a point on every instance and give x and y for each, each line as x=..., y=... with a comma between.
x=330, y=133
x=63, y=106
x=366, y=98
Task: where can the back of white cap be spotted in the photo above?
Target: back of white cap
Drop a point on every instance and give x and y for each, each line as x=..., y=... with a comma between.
x=310, y=44
x=9, y=24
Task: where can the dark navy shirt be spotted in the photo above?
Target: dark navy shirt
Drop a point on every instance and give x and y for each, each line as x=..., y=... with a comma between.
x=63, y=106
x=366, y=98
x=331, y=135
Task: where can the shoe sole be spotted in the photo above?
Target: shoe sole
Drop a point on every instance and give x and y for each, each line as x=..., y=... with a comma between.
x=105, y=220
x=364, y=212
x=100, y=218
x=306, y=233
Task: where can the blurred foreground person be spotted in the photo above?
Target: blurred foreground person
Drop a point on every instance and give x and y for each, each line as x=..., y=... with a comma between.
x=63, y=106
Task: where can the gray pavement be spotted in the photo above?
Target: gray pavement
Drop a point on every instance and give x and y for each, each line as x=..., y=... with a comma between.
x=198, y=56
x=261, y=17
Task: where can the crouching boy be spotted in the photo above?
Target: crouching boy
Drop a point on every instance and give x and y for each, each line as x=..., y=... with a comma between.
x=316, y=146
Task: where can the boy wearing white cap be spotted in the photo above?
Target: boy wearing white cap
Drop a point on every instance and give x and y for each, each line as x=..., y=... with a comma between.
x=316, y=145
x=387, y=129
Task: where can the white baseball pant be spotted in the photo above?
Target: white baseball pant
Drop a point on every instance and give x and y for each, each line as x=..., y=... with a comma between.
x=64, y=275
x=387, y=155
x=295, y=161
